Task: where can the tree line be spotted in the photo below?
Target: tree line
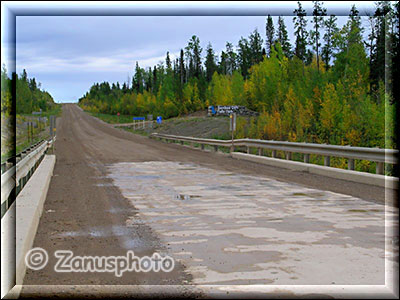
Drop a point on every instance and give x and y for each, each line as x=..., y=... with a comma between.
x=29, y=95
x=328, y=86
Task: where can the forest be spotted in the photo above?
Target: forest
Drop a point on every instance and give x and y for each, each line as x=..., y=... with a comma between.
x=332, y=85
x=29, y=95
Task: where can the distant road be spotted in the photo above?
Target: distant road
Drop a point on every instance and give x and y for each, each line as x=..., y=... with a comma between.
x=86, y=213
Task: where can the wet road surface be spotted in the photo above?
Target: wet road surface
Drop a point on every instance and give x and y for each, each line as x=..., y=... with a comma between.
x=257, y=224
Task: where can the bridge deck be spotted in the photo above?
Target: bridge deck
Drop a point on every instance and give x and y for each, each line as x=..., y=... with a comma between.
x=264, y=212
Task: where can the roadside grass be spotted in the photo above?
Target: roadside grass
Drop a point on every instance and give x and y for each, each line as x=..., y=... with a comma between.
x=56, y=111
x=23, y=143
x=139, y=131
x=16, y=142
x=112, y=119
x=225, y=136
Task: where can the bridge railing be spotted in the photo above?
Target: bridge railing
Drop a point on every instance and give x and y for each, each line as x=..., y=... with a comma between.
x=380, y=156
x=16, y=176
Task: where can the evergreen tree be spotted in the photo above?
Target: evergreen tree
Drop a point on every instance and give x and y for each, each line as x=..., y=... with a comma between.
x=331, y=30
x=32, y=84
x=193, y=52
x=318, y=21
x=270, y=31
x=379, y=50
x=182, y=72
x=354, y=27
x=231, y=59
x=283, y=38
x=148, y=79
x=210, y=64
x=168, y=61
x=244, y=56
x=24, y=76
x=138, y=78
x=223, y=64
x=300, y=26
x=155, y=80
x=255, y=47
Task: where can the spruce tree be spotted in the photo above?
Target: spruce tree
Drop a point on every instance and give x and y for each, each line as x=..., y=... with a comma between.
x=244, y=56
x=182, y=75
x=270, y=31
x=231, y=59
x=331, y=30
x=210, y=64
x=193, y=52
x=168, y=61
x=256, y=47
x=283, y=38
x=318, y=20
x=300, y=27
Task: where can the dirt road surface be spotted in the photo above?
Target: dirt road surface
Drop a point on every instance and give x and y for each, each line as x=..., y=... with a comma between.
x=88, y=207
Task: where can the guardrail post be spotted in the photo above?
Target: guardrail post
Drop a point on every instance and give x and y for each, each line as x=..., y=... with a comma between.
x=274, y=153
x=288, y=155
x=202, y=146
x=380, y=168
x=215, y=148
x=327, y=161
x=181, y=142
x=351, y=164
x=248, y=150
x=260, y=152
x=307, y=158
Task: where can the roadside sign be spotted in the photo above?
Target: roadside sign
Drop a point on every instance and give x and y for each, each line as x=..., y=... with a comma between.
x=232, y=123
x=118, y=114
x=159, y=120
x=138, y=118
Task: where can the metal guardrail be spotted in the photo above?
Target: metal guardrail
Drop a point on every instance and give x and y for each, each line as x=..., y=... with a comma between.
x=16, y=176
x=137, y=125
x=131, y=124
x=380, y=156
x=9, y=162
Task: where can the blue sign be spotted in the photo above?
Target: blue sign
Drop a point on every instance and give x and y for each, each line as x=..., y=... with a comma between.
x=138, y=118
x=159, y=119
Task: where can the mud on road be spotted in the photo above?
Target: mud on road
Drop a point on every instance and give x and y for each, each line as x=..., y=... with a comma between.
x=85, y=213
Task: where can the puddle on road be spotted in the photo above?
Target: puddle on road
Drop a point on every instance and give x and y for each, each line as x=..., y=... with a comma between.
x=185, y=197
x=242, y=229
x=97, y=232
x=104, y=184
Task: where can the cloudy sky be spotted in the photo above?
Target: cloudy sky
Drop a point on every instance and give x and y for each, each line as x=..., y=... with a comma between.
x=67, y=54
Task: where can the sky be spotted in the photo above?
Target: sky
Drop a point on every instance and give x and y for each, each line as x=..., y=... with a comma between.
x=67, y=54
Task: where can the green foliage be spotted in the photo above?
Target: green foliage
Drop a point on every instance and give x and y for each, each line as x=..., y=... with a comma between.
x=29, y=96
x=323, y=95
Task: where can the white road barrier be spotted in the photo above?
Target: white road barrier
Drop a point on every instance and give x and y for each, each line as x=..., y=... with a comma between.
x=380, y=156
x=20, y=217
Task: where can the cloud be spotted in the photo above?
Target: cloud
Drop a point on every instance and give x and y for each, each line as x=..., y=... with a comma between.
x=81, y=50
